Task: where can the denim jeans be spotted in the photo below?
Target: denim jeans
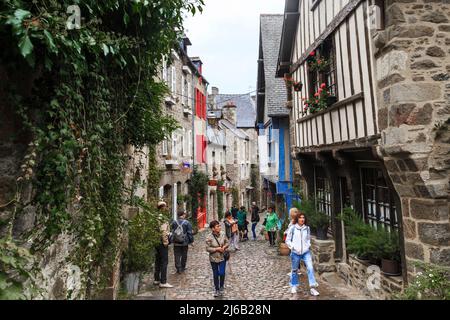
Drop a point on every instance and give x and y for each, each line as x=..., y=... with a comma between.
x=180, y=254
x=254, y=229
x=219, y=274
x=234, y=241
x=307, y=259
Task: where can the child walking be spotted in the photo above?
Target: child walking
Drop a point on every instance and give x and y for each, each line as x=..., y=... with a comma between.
x=298, y=240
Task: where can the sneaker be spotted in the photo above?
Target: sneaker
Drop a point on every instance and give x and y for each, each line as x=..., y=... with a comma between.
x=165, y=285
x=156, y=282
x=314, y=292
x=294, y=290
x=216, y=293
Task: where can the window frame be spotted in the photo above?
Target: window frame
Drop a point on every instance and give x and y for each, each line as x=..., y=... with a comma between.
x=376, y=219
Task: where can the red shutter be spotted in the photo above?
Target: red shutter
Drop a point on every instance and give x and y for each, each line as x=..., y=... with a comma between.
x=204, y=149
x=197, y=108
x=199, y=147
x=204, y=103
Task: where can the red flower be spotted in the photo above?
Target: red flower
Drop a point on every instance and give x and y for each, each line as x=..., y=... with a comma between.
x=320, y=90
x=316, y=94
x=306, y=105
x=312, y=54
x=323, y=85
x=319, y=61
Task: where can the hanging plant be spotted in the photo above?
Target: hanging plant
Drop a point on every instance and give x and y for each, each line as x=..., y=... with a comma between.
x=317, y=62
x=298, y=86
x=318, y=102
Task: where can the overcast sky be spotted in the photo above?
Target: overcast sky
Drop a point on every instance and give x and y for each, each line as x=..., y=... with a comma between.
x=226, y=36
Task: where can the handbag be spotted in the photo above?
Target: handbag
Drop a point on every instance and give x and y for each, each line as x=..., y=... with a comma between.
x=226, y=254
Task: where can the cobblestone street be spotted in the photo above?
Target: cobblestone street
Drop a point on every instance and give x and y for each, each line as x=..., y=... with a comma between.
x=256, y=272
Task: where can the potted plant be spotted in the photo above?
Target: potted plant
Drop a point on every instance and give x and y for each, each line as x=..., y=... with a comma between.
x=390, y=253
x=317, y=62
x=319, y=101
x=283, y=249
x=321, y=222
x=298, y=86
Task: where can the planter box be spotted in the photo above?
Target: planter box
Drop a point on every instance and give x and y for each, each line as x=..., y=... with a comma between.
x=131, y=282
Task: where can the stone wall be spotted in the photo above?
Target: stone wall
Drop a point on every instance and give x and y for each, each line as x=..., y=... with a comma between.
x=323, y=255
x=357, y=274
x=413, y=72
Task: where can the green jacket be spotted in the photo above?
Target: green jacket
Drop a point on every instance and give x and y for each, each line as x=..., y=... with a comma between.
x=242, y=216
x=272, y=222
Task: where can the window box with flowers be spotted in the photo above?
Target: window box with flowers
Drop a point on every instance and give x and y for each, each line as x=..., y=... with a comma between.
x=291, y=83
x=320, y=101
x=317, y=63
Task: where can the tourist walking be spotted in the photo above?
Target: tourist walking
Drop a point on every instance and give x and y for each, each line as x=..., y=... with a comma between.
x=181, y=238
x=231, y=230
x=217, y=247
x=271, y=225
x=234, y=212
x=162, y=251
x=299, y=241
x=255, y=219
x=242, y=219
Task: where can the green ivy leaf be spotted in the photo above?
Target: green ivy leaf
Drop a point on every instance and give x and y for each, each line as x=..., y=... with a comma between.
x=105, y=49
x=50, y=42
x=21, y=14
x=25, y=46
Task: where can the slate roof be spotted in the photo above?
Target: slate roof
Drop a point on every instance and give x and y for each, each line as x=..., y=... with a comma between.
x=275, y=89
x=246, y=109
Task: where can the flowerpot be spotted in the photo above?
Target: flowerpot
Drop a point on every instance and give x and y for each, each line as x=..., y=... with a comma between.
x=322, y=233
x=298, y=86
x=331, y=100
x=132, y=283
x=390, y=267
x=284, y=249
x=375, y=261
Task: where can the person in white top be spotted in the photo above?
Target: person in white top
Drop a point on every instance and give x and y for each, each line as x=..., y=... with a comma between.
x=298, y=239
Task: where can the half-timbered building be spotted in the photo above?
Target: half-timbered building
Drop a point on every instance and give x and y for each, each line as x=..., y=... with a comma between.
x=362, y=102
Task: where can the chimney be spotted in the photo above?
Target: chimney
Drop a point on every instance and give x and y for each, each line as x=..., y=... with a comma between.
x=229, y=112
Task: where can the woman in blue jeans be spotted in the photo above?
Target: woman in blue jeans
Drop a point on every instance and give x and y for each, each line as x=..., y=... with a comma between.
x=217, y=245
x=298, y=239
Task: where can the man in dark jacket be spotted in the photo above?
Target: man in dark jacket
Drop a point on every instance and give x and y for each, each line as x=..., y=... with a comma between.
x=234, y=212
x=255, y=218
x=180, y=248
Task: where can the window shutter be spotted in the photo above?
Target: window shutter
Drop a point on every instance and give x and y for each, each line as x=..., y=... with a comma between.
x=174, y=80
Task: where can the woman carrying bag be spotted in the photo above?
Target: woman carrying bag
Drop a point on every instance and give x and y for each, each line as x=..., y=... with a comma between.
x=217, y=247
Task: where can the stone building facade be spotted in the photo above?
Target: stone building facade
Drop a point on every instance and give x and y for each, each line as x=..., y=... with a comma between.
x=178, y=154
x=382, y=144
x=412, y=52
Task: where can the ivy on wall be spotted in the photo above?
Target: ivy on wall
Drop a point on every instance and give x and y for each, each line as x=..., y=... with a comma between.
x=94, y=92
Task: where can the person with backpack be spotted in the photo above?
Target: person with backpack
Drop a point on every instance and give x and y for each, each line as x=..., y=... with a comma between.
x=231, y=230
x=271, y=225
x=298, y=240
x=255, y=218
x=217, y=247
x=181, y=238
x=162, y=251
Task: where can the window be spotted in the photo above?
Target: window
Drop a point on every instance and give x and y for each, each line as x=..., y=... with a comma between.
x=174, y=145
x=182, y=143
x=189, y=142
x=164, y=70
x=164, y=148
x=328, y=75
x=174, y=80
x=183, y=89
x=271, y=145
x=323, y=191
x=378, y=200
x=189, y=93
